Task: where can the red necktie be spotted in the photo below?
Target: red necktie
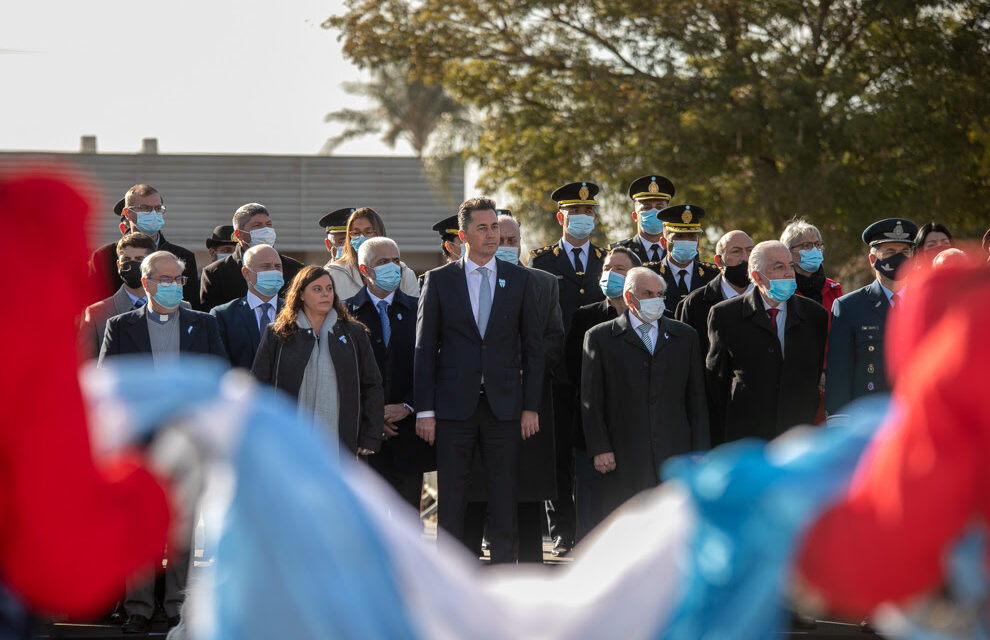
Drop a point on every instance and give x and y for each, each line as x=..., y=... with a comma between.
x=773, y=318
x=895, y=300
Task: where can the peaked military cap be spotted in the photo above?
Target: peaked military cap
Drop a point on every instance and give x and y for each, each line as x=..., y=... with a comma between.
x=575, y=193
x=119, y=207
x=651, y=188
x=336, y=221
x=890, y=230
x=682, y=218
x=446, y=227
x=221, y=235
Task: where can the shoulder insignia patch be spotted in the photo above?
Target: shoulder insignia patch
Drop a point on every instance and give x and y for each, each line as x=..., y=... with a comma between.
x=540, y=251
x=556, y=249
x=599, y=252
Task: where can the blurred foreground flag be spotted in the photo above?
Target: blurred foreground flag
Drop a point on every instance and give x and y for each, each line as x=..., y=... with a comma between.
x=307, y=548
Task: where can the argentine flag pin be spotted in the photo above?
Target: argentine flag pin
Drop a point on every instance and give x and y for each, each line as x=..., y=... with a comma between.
x=501, y=282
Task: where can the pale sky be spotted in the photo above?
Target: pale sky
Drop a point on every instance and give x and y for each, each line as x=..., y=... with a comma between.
x=202, y=76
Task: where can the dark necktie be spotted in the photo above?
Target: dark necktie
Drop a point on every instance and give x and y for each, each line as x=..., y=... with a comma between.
x=140, y=303
x=682, y=283
x=773, y=318
x=655, y=256
x=383, y=316
x=895, y=300
x=266, y=318
x=578, y=266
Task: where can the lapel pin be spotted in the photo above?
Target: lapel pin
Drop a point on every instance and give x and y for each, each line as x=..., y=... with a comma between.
x=398, y=316
x=343, y=339
x=666, y=336
x=189, y=330
x=501, y=282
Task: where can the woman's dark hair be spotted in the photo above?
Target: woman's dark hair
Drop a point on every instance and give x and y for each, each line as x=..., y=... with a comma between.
x=919, y=240
x=633, y=258
x=285, y=324
x=350, y=255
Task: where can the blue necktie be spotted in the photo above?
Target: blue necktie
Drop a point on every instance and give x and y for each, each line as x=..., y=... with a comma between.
x=484, y=300
x=265, y=317
x=386, y=327
x=140, y=302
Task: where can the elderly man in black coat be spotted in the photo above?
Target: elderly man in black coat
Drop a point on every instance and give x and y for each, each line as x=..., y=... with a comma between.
x=767, y=351
x=642, y=393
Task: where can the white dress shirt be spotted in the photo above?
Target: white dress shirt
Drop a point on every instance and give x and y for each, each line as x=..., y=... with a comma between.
x=474, y=282
x=254, y=302
x=887, y=292
x=654, y=333
x=135, y=299
x=648, y=246
x=731, y=293
x=375, y=299
x=675, y=271
x=569, y=248
x=781, y=320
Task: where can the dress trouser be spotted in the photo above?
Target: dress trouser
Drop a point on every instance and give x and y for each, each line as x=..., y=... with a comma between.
x=560, y=512
x=530, y=517
x=140, y=599
x=500, y=442
x=409, y=485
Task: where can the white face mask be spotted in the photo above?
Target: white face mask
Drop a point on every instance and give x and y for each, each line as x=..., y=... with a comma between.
x=651, y=309
x=221, y=255
x=264, y=235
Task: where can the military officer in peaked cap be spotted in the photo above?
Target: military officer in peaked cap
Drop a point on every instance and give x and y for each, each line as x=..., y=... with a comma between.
x=334, y=225
x=450, y=242
x=680, y=267
x=855, y=365
x=577, y=265
x=650, y=195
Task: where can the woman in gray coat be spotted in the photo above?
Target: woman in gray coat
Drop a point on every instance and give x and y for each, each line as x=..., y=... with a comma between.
x=318, y=353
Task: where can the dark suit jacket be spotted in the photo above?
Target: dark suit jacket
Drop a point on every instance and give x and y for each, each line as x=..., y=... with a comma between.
x=575, y=291
x=635, y=244
x=452, y=356
x=588, y=316
x=128, y=333
x=694, y=307
x=755, y=391
x=855, y=347
x=701, y=274
x=222, y=280
x=103, y=269
x=361, y=409
x=406, y=452
x=239, y=330
x=642, y=407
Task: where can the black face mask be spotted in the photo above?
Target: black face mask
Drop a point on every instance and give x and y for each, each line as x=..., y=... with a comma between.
x=130, y=273
x=737, y=276
x=890, y=267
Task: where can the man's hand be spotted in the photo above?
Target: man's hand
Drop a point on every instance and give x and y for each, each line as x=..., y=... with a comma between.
x=390, y=430
x=605, y=462
x=395, y=412
x=530, y=423
x=364, y=452
x=426, y=428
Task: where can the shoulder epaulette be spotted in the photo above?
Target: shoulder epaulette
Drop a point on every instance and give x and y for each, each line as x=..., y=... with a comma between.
x=620, y=243
x=650, y=265
x=542, y=250
x=702, y=265
x=599, y=252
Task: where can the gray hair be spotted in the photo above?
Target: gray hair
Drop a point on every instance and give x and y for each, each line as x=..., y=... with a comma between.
x=797, y=228
x=634, y=275
x=758, y=258
x=245, y=212
x=249, y=255
x=502, y=219
x=148, y=264
x=368, y=251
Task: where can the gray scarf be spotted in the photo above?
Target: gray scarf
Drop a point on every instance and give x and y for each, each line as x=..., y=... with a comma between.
x=318, y=396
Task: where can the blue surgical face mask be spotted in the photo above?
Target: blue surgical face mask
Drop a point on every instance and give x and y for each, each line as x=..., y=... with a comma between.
x=811, y=259
x=269, y=282
x=149, y=223
x=168, y=295
x=611, y=283
x=388, y=276
x=651, y=309
x=684, y=251
x=580, y=225
x=356, y=242
x=338, y=252
x=781, y=290
x=649, y=222
x=509, y=254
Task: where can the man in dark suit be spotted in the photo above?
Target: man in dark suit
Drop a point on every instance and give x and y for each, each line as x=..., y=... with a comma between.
x=767, y=351
x=242, y=321
x=681, y=269
x=732, y=259
x=221, y=243
x=164, y=330
x=642, y=393
x=390, y=316
x=650, y=195
x=131, y=250
x=478, y=373
x=577, y=265
x=141, y=209
x=859, y=319
x=222, y=281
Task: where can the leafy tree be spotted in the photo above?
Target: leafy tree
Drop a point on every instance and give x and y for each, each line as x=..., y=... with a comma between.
x=844, y=111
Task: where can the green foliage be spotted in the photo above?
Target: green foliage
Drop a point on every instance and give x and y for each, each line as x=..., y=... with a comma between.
x=843, y=111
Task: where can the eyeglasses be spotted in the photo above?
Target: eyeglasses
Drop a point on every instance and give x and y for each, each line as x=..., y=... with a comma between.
x=808, y=246
x=181, y=280
x=146, y=208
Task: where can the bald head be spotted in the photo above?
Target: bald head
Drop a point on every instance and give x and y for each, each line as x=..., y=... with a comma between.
x=262, y=258
x=952, y=258
x=733, y=248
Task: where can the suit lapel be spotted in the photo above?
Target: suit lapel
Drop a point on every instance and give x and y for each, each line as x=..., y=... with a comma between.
x=460, y=289
x=564, y=263
x=757, y=312
x=498, y=300
x=139, y=330
x=632, y=337
x=122, y=302
x=794, y=314
x=188, y=329
x=251, y=320
x=592, y=265
x=879, y=302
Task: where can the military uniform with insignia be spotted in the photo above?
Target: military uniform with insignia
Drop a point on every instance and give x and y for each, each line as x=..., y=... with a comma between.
x=334, y=225
x=650, y=195
x=855, y=364
x=688, y=276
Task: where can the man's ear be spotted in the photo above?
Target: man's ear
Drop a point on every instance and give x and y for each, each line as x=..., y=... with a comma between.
x=663, y=243
x=634, y=215
x=460, y=234
x=240, y=235
x=363, y=269
x=560, y=217
x=872, y=259
x=329, y=245
x=718, y=261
